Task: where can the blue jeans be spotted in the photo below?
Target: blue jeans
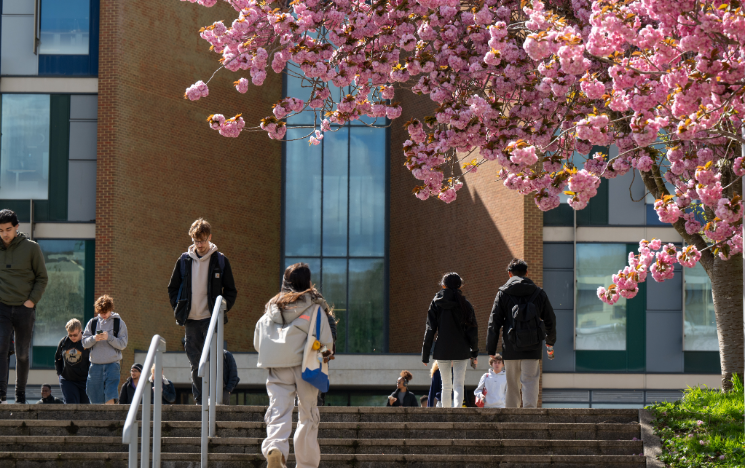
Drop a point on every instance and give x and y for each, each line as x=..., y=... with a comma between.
x=73, y=391
x=103, y=382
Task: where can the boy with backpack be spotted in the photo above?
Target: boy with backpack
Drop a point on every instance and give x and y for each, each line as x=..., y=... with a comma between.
x=524, y=312
x=106, y=337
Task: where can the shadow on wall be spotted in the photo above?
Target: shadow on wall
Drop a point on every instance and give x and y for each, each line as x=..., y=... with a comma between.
x=476, y=235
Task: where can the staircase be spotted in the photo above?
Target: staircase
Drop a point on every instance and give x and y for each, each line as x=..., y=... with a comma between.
x=83, y=436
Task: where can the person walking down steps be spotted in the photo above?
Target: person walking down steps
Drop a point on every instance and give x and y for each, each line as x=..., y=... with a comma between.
x=452, y=318
x=280, y=339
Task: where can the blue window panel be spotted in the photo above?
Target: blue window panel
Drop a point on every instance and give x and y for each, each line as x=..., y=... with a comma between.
x=559, y=286
x=623, y=209
x=75, y=65
x=558, y=256
x=367, y=170
x=334, y=284
x=64, y=28
x=652, y=218
x=664, y=341
x=335, y=192
x=302, y=202
x=564, y=355
x=667, y=295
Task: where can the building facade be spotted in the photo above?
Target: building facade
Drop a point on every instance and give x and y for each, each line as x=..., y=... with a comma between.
x=107, y=166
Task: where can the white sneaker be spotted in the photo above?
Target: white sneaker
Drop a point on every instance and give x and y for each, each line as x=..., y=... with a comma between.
x=4, y=402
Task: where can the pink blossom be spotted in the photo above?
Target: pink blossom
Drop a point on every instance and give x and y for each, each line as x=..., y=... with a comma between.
x=196, y=91
x=241, y=85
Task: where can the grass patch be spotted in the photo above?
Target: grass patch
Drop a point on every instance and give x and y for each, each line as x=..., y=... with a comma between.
x=704, y=429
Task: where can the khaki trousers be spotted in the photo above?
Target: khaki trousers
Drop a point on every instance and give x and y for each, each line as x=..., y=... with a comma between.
x=523, y=373
x=282, y=384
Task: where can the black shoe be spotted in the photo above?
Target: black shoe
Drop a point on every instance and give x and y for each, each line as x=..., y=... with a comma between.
x=21, y=399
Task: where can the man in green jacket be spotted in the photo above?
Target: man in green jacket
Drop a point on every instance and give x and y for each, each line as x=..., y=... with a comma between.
x=23, y=278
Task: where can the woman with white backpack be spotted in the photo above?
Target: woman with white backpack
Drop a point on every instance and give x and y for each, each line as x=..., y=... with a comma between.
x=293, y=339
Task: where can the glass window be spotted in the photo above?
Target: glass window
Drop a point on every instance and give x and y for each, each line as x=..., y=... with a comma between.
x=366, y=304
x=63, y=298
x=367, y=154
x=599, y=326
x=24, y=148
x=335, y=192
x=302, y=196
x=65, y=27
x=335, y=292
x=700, y=325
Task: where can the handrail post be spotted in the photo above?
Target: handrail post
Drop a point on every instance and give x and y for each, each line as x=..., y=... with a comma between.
x=205, y=415
x=157, y=405
x=145, y=450
x=220, y=354
x=132, y=462
x=213, y=385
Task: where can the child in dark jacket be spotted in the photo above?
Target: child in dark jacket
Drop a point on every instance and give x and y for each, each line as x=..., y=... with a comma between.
x=72, y=361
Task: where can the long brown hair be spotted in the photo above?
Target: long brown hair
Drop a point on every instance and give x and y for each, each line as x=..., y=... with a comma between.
x=295, y=283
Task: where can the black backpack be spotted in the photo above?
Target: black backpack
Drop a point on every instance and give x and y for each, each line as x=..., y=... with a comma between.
x=94, y=325
x=528, y=330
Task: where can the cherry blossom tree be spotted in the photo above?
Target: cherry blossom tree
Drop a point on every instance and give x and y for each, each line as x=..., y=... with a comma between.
x=531, y=86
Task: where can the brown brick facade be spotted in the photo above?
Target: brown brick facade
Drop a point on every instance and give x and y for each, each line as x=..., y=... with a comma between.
x=160, y=167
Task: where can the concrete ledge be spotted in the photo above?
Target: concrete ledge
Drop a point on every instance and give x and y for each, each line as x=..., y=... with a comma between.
x=652, y=443
x=10, y=84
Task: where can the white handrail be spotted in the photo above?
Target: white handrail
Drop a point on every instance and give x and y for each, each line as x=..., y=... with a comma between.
x=129, y=434
x=211, y=374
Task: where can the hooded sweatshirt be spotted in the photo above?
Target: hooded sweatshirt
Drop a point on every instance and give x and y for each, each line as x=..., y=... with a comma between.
x=283, y=345
x=23, y=275
x=110, y=350
x=200, y=267
x=496, y=389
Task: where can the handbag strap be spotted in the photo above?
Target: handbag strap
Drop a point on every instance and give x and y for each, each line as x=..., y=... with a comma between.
x=318, y=323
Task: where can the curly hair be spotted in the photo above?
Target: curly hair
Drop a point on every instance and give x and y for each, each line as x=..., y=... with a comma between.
x=406, y=375
x=104, y=304
x=200, y=229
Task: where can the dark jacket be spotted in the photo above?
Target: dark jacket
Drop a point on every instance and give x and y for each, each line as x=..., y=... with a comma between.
x=72, y=360
x=217, y=285
x=50, y=400
x=455, y=341
x=435, y=389
x=23, y=276
x=127, y=393
x=409, y=399
x=518, y=289
x=229, y=372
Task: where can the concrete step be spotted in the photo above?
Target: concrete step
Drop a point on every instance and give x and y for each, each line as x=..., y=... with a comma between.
x=235, y=460
x=336, y=430
x=337, y=446
x=331, y=414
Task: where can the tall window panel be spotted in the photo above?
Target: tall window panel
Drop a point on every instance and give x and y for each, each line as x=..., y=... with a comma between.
x=65, y=27
x=700, y=324
x=335, y=219
x=599, y=326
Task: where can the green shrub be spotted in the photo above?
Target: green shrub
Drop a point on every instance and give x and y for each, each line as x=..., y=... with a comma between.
x=704, y=429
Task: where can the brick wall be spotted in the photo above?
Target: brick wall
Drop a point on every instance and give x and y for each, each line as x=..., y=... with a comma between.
x=160, y=167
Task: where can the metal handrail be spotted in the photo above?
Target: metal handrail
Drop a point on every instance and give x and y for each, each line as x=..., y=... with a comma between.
x=211, y=374
x=129, y=434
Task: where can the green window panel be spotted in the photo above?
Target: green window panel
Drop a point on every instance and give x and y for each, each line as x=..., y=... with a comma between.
x=562, y=215
x=43, y=358
x=701, y=362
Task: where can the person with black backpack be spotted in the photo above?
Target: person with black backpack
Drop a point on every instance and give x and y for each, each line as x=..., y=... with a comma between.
x=201, y=275
x=523, y=314
x=452, y=318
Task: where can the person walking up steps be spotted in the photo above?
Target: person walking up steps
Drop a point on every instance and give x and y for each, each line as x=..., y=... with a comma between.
x=280, y=338
x=452, y=318
x=492, y=389
x=402, y=396
x=524, y=312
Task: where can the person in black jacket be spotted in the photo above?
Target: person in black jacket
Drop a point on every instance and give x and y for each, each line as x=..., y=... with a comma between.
x=452, y=318
x=127, y=392
x=72, y=361
x=402, y=396
x=207, y=276
x=229, y=376
x=47, y=398
x=521, y=363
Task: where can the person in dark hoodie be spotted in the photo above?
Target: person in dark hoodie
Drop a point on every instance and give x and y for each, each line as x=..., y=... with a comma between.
x=72, y=361
x=522, y=352
x=127, y=393
x=452, y=318
x=23, y=278
x=47, y=398
x=229, y=376
x=402, y=396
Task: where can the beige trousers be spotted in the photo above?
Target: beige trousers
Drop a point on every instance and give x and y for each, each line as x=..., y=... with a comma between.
x=282, y=384
x=523, y=373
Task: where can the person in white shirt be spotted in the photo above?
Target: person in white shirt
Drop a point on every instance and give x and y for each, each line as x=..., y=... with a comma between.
x=492, y=389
